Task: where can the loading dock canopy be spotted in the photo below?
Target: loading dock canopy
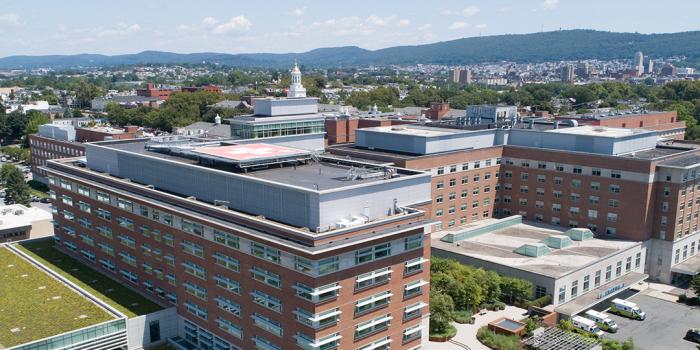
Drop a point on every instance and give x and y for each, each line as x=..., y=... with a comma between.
x=599, y=294
x=688, y=267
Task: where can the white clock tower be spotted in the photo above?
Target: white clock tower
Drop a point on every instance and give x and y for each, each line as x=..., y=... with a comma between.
x=296, y=90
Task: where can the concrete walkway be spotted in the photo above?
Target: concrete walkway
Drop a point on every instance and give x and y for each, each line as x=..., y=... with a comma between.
x=466, y=333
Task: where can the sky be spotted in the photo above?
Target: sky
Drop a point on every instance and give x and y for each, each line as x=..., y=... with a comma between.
x=40, y=27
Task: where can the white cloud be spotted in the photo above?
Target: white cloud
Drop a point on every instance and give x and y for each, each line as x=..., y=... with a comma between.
x=481, y=26
x=9, y=19
x=120, y=30
x=457, y=25
x=238, y=23
x=505, y=9
x=403, y=23
x=209, y=21
x=425, y=27
x=298, y=11
x=470, y=11
x=550, y=4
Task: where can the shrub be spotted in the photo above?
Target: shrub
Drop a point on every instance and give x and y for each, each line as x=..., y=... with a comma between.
x=540, y=302
x=446, y=335
x=500, y=305
x=463, y=317
x=497, y=341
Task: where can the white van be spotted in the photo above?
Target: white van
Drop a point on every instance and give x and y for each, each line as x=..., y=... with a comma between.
x=603, y=321
x=586, y=325
x=627, y=309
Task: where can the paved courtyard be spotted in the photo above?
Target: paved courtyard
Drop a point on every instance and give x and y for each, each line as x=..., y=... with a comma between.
x=664, y=327
x=466, y=333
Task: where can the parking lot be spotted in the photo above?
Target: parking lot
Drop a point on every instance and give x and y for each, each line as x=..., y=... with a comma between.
x=664, y=327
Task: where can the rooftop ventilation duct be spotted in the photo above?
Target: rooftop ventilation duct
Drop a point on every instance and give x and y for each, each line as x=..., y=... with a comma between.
x=579, y=234
x=533, y=249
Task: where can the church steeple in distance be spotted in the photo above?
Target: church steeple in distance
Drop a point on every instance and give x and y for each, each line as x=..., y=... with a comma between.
x=296, y=89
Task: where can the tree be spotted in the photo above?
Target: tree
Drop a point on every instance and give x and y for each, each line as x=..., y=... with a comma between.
x=36, y=118
x=695, y=284
x=441, y=312
x=17, y=190
x=85, y=92
x=513, y=289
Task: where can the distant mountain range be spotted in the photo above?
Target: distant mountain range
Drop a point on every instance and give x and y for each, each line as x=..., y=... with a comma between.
x=535, y=47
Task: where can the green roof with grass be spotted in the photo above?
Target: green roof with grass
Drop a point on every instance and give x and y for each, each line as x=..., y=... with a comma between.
x=115, y=294
x=34, y=305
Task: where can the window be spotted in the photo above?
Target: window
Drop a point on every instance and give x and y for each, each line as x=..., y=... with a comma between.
x=562, y=294
x=413, y=242
x=194, y=269
x=267, y=277
x=373, y=302
x=628, y=264
x=195, y=290
x=615, y=174
x=127, y=241
x=440, y=185
x=191, y=227
x=329, y=291
x=413, y=266
x=595, y=171
x=192, y=248
x=576, y=183
x=267, y=301
x=104, y=214
x=372, y=253
x=608, y=273
x=618, y=269
x=229, y=327
x=577, y=170
x=412, y=333
x=372, y=326
x=595, y=185
x=227, y=262
x=614, y=188
x=574, y=289
x=612, y=217
x=638, y=259
x=586, y=283
x=228, y=306
x=267, y=324
x=264, y=344
x=414, y=288
x=84, y=191
x=596, y=281
x=592, y=214
x=125, y=223
x=227, y=239
x=265, y=252
x=372, y=278
x=196, y=310
x=125, y=204
x=440, y=171
x=227, y=284
x=102, y=197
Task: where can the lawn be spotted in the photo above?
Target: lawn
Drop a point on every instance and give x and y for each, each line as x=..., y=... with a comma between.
x=33, y=305
x=110, y=291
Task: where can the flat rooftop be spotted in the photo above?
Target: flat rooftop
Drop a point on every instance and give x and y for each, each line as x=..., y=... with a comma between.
x=104, y=129
x=249, y=152
x=590, y=130
x=498, y=247
x=415, y=130
x=686, y=161
x=324, y=173
x=34, y=305
x=17, y=215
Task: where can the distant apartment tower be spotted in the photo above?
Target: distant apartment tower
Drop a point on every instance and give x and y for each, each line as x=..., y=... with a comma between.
x=567, y=73
x=668, y=70
x=638, y=63
x=649, y=65
x=455, y=75
x=465, y=76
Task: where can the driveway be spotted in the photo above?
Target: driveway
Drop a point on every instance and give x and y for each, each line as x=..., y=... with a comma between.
x=466, y=333
x=664, y=327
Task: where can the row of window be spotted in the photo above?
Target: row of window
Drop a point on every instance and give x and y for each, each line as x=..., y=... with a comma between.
x=262, y=251
x=586, y=283
x=575, y=169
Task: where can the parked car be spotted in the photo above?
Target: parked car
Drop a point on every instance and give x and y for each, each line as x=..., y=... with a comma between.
x=693, y=335
x=45, y=200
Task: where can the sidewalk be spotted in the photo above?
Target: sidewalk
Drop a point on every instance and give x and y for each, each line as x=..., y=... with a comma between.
x=466, y=333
